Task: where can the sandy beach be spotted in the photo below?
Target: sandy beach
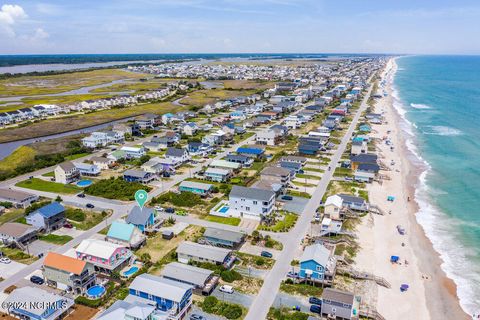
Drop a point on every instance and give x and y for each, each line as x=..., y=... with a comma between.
x=431, y=295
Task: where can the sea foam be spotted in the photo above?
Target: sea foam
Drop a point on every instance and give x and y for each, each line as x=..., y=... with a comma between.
x=442, y=131
x=420, y=106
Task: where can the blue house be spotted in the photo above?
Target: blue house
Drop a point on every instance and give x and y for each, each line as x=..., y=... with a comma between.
x=172, y=299
x=317, y=263
x=254, y=152
x=140, y=176
x=142, y=218
x=199, y=188
x=126, y=234
x=364, y=128
x=49, y=217
x=308, y=149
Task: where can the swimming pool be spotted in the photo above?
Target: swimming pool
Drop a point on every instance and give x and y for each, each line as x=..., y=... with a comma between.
x=96, y=291
x=84, y=183
x=130, y=271
x=223, y=209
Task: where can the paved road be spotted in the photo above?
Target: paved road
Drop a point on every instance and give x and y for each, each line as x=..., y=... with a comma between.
x=265, y=298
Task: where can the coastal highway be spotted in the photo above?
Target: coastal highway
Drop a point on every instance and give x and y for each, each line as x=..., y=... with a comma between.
x=261, y=305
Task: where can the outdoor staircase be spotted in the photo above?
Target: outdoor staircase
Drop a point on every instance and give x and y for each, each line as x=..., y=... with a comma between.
x=376, y=210
x=364, y=276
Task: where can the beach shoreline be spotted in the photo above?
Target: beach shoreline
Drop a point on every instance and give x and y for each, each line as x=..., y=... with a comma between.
x=432, y=295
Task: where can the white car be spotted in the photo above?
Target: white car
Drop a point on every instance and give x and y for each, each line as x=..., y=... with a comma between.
x=5, y=260
x=227, y=289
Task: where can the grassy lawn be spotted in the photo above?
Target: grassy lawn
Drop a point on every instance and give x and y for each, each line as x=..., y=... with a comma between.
x=76, y=156
x=307, y=176
x=281, y=225
x=225, y=220
x=203, y=97
x=301, y=289
x=237, y=138
x=84, y=220
x=118, y=189
x=55, y=239
x=248, y=285
x=11, y=215
x=49, y=174
x=18, y=255
x=303, y=184
x=158, y=248
x=298, y=194
x=313, y=169
x=286, y=314
x=257, y=262
x=47, y=186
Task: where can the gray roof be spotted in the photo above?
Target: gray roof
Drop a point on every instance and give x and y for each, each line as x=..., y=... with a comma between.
x=208, y=252
x=139, y=215
x=135, y=173
x=160, y=287
x=67, y=166
x=338, y=296
x=222, y=234
x=197, y=185
x=14, y=195
x=316, y=252
x=293, y=159
x=175, y=152
x=186, y=273
x=251, y=193
x=352, y=199
x=120, y=308
x=15, y=229
x=276, y=171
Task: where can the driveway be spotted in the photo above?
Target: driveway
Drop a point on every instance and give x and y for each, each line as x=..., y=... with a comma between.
x=236, y=297
x=296, y=205
x=287, y=300
x=7, y=270
x=73, y=232
x=256, y=250
x=208, y=316
x=39, y=246
x=176, y=228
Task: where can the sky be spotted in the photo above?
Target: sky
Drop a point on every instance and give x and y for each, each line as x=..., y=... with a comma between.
x=240, y=26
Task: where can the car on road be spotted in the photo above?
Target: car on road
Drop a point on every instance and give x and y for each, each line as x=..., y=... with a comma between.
x=315, y=300
x=81, y=195
x=288, y=198
x=5, y=260
x=89, y=206
x=315, y=309
x=266, y=254
x=227, y=289
x=197, y=317
x=37, y=280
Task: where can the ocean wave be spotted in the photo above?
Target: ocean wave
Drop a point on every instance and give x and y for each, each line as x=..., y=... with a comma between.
x=420, y=106
x=438, y=227
x=442, y=131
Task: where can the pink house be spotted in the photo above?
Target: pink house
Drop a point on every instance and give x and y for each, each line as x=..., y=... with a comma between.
x=105, y=256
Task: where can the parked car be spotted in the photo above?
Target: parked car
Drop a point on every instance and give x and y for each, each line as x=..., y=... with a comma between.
x=90, y=206
x=287, y=198
x=227, y=289
x=166, y=175
x=81, y=195
x=315, y=300
x=315, y=309
x=266, y=254
x=159, y=208
x=293, y=275
x=67, y=225
x=37, y=280
x=197, y=317
x=5, y=260
x=170, y=210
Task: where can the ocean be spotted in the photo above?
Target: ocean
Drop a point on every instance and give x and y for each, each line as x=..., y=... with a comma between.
x=439, y=99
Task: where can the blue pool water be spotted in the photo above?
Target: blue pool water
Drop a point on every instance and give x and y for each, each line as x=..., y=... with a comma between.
x=130, y=271
x=84, y=183
x=224, y=209
x=96, y=291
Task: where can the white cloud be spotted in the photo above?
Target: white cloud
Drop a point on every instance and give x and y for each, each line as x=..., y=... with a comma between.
x=9, y=16
x=40, y=34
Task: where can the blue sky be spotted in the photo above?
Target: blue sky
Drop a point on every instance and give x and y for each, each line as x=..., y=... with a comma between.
x=234, y=26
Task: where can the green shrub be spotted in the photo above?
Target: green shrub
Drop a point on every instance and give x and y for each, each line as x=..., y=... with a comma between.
x=75, y=215
x=230, y=275
x=259, y=261
x=115, y=188
x=209, y=304
x=184, y=199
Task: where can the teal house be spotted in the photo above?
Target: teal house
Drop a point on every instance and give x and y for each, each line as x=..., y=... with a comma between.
x=125, y=234
x=202, y=189
x=364, y=128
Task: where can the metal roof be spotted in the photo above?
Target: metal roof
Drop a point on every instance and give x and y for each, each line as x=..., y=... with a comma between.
x=160, y=287
x=251, y=193
x=186, y=273
x=208, y=252
x=223, y=234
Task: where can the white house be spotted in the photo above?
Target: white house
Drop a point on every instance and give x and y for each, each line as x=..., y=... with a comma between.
x=251, y=203
x=66, y=173
x=177, y=154
x=134, y=152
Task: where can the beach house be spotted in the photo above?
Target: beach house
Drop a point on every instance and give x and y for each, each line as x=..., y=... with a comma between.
x=142, y=218
x=66, y=173
x=17, y=234
x=223, y=238
x=217, y=175
x=251, y=203
x=172, y=299
x=341, y=305
x=123, y=310
x=48, y=218
x=178, y=155
x=202, y=189
x=125, y=234
x=67, y=273
x=190, y=251
x=134, y=152
x=18, y=199
x=317, y=263
x=202, y=280
x=105, y=256
x=140, y=176
x=35, y=303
